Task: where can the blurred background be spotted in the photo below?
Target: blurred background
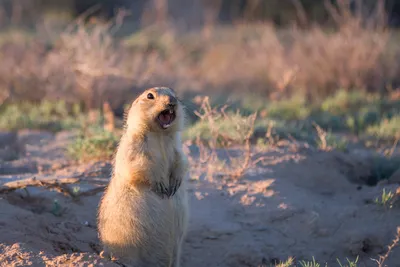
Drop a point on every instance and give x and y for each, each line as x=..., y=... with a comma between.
x=249, y=53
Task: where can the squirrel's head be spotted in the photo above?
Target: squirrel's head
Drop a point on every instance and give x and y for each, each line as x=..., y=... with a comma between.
x=157, y=110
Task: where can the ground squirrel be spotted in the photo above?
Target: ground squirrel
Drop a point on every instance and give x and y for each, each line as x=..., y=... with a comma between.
x=143, y=214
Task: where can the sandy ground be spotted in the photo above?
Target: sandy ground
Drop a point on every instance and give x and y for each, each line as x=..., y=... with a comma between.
x=301, y=203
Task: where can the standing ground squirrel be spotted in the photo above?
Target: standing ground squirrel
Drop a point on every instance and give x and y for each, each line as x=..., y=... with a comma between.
x=143, y=214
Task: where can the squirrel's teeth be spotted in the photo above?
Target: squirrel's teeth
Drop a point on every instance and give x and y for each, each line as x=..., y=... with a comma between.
x=171, y=111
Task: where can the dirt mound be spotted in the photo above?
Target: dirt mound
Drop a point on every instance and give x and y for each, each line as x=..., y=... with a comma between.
x=302, y=204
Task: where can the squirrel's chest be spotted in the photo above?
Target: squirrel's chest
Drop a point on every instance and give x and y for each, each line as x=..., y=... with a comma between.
x=162, y=152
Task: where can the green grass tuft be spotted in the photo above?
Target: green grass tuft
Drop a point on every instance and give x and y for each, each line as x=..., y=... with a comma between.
x=96, y=145
x=294, y=108
x=386, y=129
x=47, y=115
x=312, y=263
x=343, y=102
x=386, y=199
x=349, y=263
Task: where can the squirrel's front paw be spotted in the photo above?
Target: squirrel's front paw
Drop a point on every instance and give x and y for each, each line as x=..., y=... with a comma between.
x=174, y=184
x=160, y=189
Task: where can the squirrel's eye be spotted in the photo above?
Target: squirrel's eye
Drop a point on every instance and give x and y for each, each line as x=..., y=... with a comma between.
x=150, y=96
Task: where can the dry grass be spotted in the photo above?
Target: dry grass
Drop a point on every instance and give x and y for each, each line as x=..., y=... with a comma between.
x=326, y=141
x=236, y=164
x=93, y=145
x=380, y=261
x=315, y=61
x=382, y=258
x=86, y=63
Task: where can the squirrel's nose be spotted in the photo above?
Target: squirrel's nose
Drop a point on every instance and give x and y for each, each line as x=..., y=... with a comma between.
x=172, y=102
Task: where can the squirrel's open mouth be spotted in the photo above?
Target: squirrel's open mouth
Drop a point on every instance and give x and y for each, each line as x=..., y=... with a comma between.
x=166, y=117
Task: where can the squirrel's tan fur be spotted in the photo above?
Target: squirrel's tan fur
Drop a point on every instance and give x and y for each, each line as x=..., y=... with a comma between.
x=143, y=214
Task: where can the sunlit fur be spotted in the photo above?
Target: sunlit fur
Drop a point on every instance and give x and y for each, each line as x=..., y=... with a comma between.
x=137, y=226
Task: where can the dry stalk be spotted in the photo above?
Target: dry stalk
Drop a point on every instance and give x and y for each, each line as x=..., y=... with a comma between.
x=394, y=146
x=344, y=18
x=16, y=12
x=208, y=155
x=287, y=78
x=247, y=163
x=272, y=140
x=80, y=19
x=301, y=13
x=394, y=243
x=93, y=117
x=92, y=57
x=322, y=137
x=109, y=119
x=196, y=164
x=211, y=10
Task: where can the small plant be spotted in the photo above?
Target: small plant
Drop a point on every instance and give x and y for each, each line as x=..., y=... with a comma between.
x=349, y=263
x=76, y=190
x=326, y=141
x=312, y=263
x=322, y=143
x=94, y=145
x=262, y=143
x=288, y=263
x=241, y=129
x=225, y=127
x=56, y=210
x=343, y=102
x=395, y=242
x=53, y=116
x=386, y=200
x=336, y=143
x=291, y=109
x=387, y=129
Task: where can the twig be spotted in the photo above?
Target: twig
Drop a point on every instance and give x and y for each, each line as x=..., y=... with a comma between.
x=322, y=137
x=59, y=184
x=82, y=16
x=211, y=116
x=394, y=146
x=394, y=243
x=248, y=155
x=301, y=14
